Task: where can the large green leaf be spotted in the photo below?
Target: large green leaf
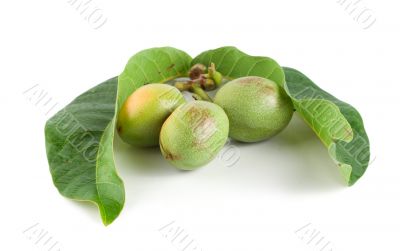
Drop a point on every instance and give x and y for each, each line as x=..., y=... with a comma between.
x=79, y=138
x=79, y=149
x=337, y=124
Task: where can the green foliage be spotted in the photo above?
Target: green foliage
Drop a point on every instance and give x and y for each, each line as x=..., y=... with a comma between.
x=79, y=138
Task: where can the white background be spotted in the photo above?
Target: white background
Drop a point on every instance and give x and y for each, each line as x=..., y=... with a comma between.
x=278, y=187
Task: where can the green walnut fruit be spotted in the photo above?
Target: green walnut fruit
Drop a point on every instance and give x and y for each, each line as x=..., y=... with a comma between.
x=194, y=134
x=144, y=112
x=257, y=108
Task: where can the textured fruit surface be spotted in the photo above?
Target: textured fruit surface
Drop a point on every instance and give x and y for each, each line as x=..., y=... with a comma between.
x=144, y=112
x=194, y=134
x=257, y=108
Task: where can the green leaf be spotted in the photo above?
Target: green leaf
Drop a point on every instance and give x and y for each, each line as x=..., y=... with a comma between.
x=79, y=138
x=337, y=124
x=79, y=142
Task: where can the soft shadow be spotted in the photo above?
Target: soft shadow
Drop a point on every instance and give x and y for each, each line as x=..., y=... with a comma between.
x=295, y=161
x=142, y=161
x=141, y=169
x=300, y=161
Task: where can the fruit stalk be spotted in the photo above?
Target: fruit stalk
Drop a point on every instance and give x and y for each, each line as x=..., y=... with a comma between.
x=200, y=93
